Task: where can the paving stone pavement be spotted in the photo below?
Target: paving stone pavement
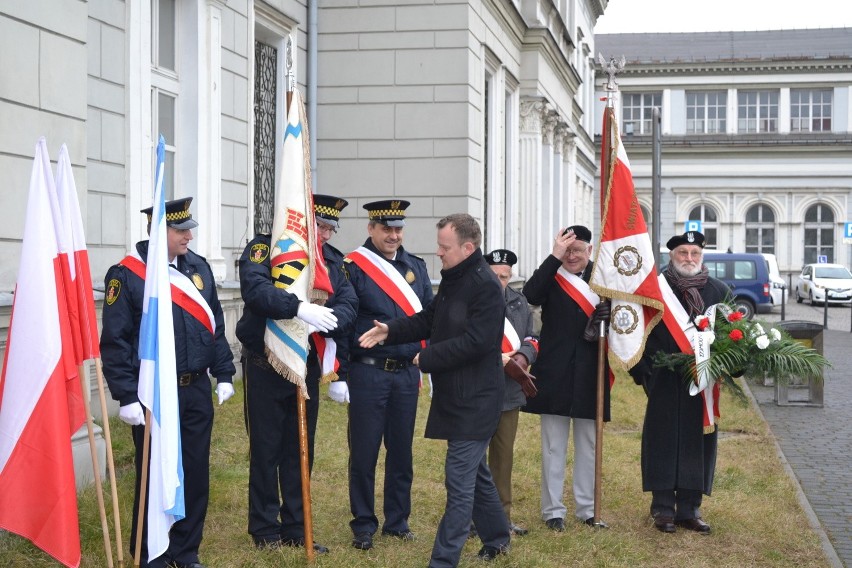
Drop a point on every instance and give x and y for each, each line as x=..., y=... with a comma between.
x=816, y=442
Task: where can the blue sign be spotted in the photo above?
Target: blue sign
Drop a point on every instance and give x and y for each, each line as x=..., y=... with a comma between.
x=692, y=225
x=822, y=259
x=847, y=231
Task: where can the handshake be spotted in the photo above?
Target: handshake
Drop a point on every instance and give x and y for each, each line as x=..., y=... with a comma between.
x=516, y=368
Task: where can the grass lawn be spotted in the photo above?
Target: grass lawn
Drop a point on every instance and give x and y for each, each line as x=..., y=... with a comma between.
x=754, y=513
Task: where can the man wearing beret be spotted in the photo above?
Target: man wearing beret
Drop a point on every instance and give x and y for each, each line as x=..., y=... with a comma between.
x=678, y=452
x=520, y=345
x=566, y=373
x=198, y=349
x=275, y=508
x=383, y=384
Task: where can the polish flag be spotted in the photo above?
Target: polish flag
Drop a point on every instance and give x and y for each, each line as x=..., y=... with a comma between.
x=86, y=331
x=624, y=268
x=38, y=498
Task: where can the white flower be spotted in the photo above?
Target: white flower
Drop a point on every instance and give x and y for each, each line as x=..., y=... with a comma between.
x=776, y=335
x=758, y=329
x=762, y=342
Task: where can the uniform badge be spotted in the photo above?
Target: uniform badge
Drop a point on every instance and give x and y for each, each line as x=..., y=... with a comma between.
x=113, y=289
x=259, y=252
x=409, y=277
x=198, y=281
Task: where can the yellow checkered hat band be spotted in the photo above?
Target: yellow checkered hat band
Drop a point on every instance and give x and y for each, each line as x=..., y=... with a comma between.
x=326, y=210
x=384, y=212
x=179, y=216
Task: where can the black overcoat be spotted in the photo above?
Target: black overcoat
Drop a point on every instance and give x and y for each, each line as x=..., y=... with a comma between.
x=676, y=454
x=465, y=325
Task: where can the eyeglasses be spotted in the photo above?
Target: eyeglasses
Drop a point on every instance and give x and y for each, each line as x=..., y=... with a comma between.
x=576, y=251
x=323, y=228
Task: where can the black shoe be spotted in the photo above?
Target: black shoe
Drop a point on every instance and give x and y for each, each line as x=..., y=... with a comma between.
x=556, y=524
x=402, y=535
x=491, y=552
x=600, y=524
x=191, y=565
x=363, y=541
x=299, y=542
x=516, y=530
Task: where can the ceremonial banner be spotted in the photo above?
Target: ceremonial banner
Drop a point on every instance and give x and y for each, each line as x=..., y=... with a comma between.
x=296, y=258
x=158, y=380
x=40, y=405
x=624, y=268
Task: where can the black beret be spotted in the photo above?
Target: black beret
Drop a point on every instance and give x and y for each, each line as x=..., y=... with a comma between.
x=582, y=233
x=688, y=238
x=501, y=256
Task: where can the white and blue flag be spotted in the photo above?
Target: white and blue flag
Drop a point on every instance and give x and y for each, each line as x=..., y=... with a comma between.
x=158, y=390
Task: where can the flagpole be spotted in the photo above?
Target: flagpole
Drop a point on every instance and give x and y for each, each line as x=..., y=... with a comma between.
x=110, y=462
x=301, y=407
x=143, y=489
x=99, y=490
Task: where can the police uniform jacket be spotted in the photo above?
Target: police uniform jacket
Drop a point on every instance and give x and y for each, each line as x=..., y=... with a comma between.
x=375, y=304
x=520, y=315
x=196, y=350
x=566, y=368
x=263, y=300
x=465, y=326
x=676, y=454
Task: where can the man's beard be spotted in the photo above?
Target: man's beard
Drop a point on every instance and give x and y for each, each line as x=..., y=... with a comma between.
x=685, y=271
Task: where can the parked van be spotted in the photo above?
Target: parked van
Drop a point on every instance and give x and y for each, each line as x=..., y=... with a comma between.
x=748, y=276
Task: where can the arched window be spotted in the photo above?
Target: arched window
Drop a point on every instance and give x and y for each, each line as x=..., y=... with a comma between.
x=646, y=214
x=709, y=225
x=760, y=229
x=819, y=233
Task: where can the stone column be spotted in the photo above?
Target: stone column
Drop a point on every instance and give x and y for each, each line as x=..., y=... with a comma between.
x=529, y=182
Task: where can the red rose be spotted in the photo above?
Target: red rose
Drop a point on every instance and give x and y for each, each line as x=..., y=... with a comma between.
x=703, y=324
x=736, y=334
x=735, y=316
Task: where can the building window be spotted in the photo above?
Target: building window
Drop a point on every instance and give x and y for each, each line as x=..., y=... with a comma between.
x=165, y=86
x=709, y=224
x=265, y=96
x=706, y=112
x=760, y=229
x=637, y=112
x=810, y=110
x=757, y=111
x=819, y=233
x=163, y=116
x=164, y=34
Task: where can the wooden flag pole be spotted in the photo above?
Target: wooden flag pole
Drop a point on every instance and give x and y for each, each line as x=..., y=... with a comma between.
x=301, y=408
x=99, y=490
x=143, y=489
x=110, y=463
x=599, y=422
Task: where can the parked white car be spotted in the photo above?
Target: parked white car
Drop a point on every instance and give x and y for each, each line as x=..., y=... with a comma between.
x=818, y=281
x=777, y=283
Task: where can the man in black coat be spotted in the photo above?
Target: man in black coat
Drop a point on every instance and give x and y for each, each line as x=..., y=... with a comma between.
x=566, y=373
x=678, y=455
x=275, y=508
x=199, y=348
x=465, y=325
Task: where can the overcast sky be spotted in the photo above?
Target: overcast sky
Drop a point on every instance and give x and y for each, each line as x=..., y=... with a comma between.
x=641, y=16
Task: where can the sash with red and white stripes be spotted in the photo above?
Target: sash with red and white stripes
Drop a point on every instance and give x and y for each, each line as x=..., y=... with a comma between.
x=184, y=292
x=511, y=341
x=683, y=329
x=389, y=280
x=327, y=355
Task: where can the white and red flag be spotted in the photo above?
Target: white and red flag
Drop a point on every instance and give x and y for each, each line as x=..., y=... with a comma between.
x=40, y=396
x=86, y=329
x=624, y=268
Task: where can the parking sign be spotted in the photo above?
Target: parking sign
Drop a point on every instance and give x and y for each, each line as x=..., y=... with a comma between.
x=822, y=258
x=692, y=225
x=847, y=233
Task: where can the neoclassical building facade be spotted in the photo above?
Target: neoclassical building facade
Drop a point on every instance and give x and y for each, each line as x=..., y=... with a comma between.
x=756, y=136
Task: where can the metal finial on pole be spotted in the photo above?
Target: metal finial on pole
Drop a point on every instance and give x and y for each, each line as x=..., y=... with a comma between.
x=611, y=68
x=288, y=61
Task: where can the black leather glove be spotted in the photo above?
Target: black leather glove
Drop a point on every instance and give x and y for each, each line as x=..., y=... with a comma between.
x=520, y=375
x=600, y=314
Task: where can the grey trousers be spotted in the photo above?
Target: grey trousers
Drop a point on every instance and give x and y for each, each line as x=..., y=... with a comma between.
x=470, y=495
x=554, y=451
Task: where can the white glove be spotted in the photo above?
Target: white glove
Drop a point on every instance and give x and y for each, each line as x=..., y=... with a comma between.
x=132, y=414
x=224, y=391
x=318, y=316
x=428, y=378
x=338, y=391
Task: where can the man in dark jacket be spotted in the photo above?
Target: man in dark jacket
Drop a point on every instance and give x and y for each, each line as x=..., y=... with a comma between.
x=519, y=344
x=275, y=515
x=464, y=324
x=566, y=373
x=678, y=455
x=198, y=349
